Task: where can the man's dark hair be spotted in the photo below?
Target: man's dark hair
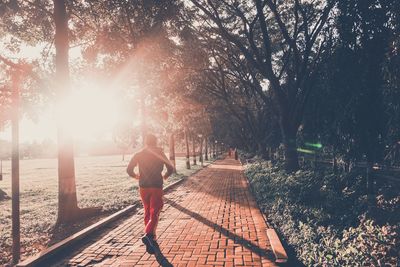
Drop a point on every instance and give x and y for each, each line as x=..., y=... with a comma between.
x=150, y=140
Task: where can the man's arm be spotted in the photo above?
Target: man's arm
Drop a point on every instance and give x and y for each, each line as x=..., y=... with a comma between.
x=131, y=167
x=168, y=164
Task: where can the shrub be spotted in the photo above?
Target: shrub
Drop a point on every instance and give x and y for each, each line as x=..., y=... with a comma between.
x=327, y=218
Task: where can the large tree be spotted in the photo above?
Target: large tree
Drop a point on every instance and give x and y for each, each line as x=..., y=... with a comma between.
x=128, y=36
x=350, y=108
x=67, y=199
x=284, y=41
x=219, y=78
x=38, y=23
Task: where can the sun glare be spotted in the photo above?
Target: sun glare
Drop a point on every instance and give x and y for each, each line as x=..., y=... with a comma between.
x=88, y=113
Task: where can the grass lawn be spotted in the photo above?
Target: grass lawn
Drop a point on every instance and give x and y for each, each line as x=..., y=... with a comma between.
x=101, y=181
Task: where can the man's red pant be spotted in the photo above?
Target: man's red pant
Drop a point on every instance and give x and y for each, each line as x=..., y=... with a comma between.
x=152, y=199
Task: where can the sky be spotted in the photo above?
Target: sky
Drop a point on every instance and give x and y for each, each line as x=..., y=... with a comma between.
x=91, y=112
x=31, y=131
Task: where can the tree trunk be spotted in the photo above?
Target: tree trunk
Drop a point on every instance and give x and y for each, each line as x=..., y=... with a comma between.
x=143, y=126
x=315, y=160
x=194, y=150
x=206, y=148
x=270, y=154
x=273, y=151
x=290, y=147
x=262, y=151
x=201, y=152
x=371, y=158
x=3, y=195
x=67, y=199
x=346, y=165
x=15, y=205
x=291, y=157
x=214, y=150
x=370, y=179
x=172, y=151
x=187, y=150
x=334, y=164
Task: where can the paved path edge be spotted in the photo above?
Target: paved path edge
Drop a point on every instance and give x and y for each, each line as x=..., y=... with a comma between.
x=276, y=244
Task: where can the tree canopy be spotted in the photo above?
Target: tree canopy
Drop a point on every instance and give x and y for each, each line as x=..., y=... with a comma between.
x=258, y=74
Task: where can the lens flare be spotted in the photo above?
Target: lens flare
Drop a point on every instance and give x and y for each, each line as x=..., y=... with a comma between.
x=307, y=151
x=316, y=145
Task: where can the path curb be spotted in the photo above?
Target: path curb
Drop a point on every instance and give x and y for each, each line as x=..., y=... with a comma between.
x=56, y=249
x=277, y=248
x=276, y=244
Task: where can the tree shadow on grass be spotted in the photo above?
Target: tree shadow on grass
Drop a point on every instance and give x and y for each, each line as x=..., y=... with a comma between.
x=3, y=195
x=88, y=216
x=267, y=254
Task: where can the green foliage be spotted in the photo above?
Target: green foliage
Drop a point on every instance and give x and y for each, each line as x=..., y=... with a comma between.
x=327, y=218
x=353, y=108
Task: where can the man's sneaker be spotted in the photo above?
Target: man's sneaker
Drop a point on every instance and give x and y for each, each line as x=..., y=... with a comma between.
x=147, y=240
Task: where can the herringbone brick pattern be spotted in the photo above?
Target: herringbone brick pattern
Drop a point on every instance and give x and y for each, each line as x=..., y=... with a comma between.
x=211, y=219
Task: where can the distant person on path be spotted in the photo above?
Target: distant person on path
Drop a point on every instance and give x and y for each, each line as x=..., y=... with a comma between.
x=236, y=154
x=151, y=160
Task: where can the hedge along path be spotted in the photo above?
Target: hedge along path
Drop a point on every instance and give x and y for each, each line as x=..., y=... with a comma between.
x=211, y=219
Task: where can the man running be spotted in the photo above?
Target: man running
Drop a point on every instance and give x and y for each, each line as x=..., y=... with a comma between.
x=151, y=160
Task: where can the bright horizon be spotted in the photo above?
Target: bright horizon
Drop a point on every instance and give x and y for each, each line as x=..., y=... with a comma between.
x=90, y=112
x=90, y=118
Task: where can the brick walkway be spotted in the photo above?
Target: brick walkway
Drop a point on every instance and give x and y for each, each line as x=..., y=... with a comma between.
x=210, y=219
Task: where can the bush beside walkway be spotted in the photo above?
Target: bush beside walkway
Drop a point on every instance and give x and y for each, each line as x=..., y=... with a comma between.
x=327, y=219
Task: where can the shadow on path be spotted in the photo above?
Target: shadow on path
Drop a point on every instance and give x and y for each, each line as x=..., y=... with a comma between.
x=268, y=254
x=161, y=259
